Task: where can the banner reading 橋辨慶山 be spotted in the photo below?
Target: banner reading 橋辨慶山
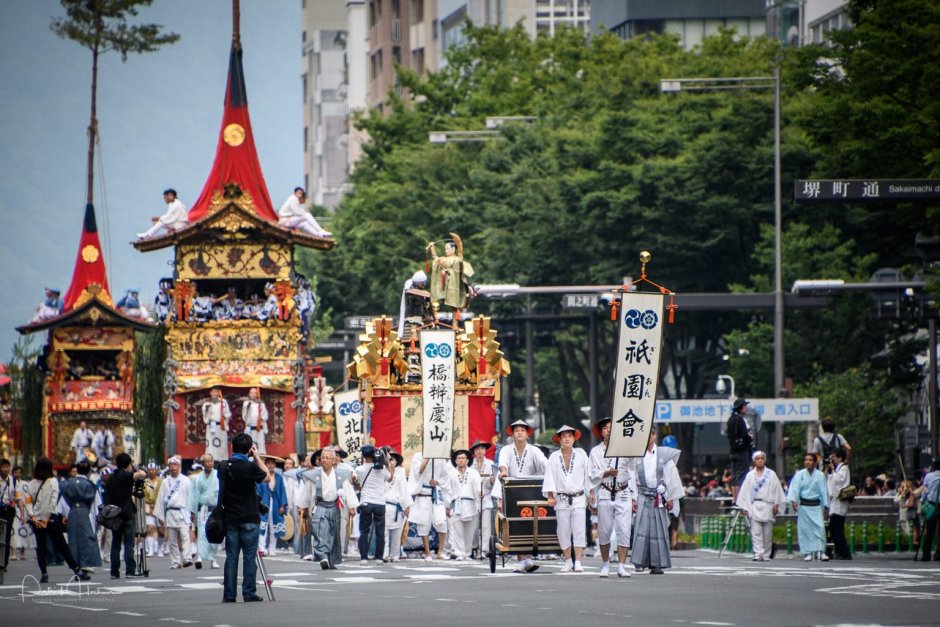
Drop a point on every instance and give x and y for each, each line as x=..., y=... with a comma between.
x=637, y=373
x=437, y=381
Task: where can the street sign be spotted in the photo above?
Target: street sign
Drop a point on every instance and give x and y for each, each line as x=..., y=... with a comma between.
x=358, y=323
x=704, y=410
x=865, y=190
x=580, y=301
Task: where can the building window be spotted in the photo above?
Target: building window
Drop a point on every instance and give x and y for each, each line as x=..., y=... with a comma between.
x=417, y=60
x=417, y=11
x=396, y=54
x=372, y=15
x=396, y=9
x=376, y=64
x=303, y=37
x=305, y=88
x=306, y=137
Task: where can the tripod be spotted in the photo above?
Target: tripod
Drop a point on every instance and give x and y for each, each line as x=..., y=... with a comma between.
x=734, y=519
x=140, y=539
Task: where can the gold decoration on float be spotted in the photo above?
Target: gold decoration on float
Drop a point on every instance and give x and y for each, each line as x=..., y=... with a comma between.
x=236, y=260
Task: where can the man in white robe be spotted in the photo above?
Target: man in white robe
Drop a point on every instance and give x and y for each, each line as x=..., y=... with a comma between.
x=82, y=441
x=255, y=415
x=520, y=459
x=615, y=478
x=215, y=414
x=464, y=490
x=398, y=504
x=488, y=471
x=174, y=515
x=174, y=219
x=429, y=486
x=293, y=215
x=567, y=488
x=760, y=496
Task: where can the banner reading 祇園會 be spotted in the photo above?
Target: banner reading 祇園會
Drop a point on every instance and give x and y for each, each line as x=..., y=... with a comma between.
x=637, y=373
x=437, y=382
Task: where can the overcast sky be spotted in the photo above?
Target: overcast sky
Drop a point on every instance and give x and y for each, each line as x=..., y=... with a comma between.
x=159, y=116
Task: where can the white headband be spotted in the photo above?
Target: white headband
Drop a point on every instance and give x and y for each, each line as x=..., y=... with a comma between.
x=757, y=454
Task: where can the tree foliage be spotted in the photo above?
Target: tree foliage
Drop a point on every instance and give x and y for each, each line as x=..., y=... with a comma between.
x=26, y=395
x=611, y=167
x=148, y=400
x=102, y=26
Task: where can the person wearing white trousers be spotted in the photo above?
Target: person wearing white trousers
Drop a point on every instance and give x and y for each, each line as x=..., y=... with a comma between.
x=487, y=470
x=174, y=514
x=465, y=485
x=567, y=488
x=760, y=496
x=615, y=478
x=397, y=506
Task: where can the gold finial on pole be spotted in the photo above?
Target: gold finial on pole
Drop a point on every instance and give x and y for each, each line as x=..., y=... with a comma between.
x=644, y=259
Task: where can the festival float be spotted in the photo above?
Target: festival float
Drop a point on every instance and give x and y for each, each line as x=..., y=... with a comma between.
x=88, y=358
x=231, y=252
x=413, y=379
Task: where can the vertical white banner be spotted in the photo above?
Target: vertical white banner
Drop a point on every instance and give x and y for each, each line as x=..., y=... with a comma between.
x=350, y=424
x=637, y=374
x=437, y=381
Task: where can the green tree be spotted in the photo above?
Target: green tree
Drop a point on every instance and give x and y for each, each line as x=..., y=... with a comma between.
x=102, y=26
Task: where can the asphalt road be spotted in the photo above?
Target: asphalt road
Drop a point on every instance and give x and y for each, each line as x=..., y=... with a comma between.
x=699, y=590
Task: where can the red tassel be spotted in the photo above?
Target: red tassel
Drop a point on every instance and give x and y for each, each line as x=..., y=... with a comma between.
x=383, y=367
x=413, y=349
x=456, y=316
x=427, y=262
x=613, y=309
x=672, y=306
x=481, y=365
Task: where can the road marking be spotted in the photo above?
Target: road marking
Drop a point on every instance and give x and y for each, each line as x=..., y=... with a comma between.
x=447, y=600
x=178, y=620
x=353, y=579
x=201, y=586
x=129, y=614
x=709, y=622
x=76, y=607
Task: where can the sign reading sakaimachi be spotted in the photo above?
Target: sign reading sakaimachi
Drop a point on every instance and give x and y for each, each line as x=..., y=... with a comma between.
x=637, y=373
x=349, y=423
x=437, y=380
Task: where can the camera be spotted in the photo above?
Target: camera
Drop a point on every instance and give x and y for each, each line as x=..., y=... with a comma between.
x=138, y=491
x=380, y=460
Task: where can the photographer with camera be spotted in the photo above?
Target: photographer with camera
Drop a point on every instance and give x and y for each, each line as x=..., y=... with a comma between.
x=370, y=478
x=119, y=491
x=237, y=479
x=741, y=442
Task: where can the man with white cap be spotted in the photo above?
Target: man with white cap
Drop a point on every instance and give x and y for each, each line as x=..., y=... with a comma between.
x=174, y=514
x=567, y=488
x=152, y=484
x=760, y=496
x=615, y=478
x=520, y=459
x=215, y=414
x=293, y=215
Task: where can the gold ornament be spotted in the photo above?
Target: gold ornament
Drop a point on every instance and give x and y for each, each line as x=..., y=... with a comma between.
x=234, y=135
x=90, y=253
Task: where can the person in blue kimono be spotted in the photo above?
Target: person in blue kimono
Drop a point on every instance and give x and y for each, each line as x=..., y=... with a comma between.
x=203, y=497
x=272, y=523
x=81, y=497
x=808, y=495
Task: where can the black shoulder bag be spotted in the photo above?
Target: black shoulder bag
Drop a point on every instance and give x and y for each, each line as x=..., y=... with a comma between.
x=215, y=523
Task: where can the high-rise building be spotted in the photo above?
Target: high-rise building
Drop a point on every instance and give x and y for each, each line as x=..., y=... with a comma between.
x=691, y=20
x=802, y=22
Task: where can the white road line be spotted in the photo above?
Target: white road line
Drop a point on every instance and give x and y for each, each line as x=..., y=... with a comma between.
x=353, y=579
x=201, y=586
x=75, y=607
x=129, y=614
x=709, y=622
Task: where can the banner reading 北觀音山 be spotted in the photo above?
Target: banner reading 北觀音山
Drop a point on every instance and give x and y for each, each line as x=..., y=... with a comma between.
x=349, y=423
x=437, y=383
x=637, y=373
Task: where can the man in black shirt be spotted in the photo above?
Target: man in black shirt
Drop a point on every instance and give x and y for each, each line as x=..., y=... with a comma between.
x=118, y=491
x=238, y=478
x=741, y=441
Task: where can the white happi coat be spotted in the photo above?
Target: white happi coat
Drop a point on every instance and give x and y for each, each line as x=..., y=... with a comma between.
x=425, y=510
x=570, y=480
x=173, y=502
x=487, y=479
x=464, y=491
x=624, y=482
x=396, y=494
x=758, y=495
x=82, y=439
x=255, y=415
x=214, y=413
x=531, y=463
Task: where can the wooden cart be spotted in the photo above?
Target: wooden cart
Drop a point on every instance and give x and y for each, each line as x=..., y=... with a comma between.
x=525, y=524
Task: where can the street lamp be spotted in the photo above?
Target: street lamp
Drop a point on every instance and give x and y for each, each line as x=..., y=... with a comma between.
x=721, y=387
x=673, y=85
